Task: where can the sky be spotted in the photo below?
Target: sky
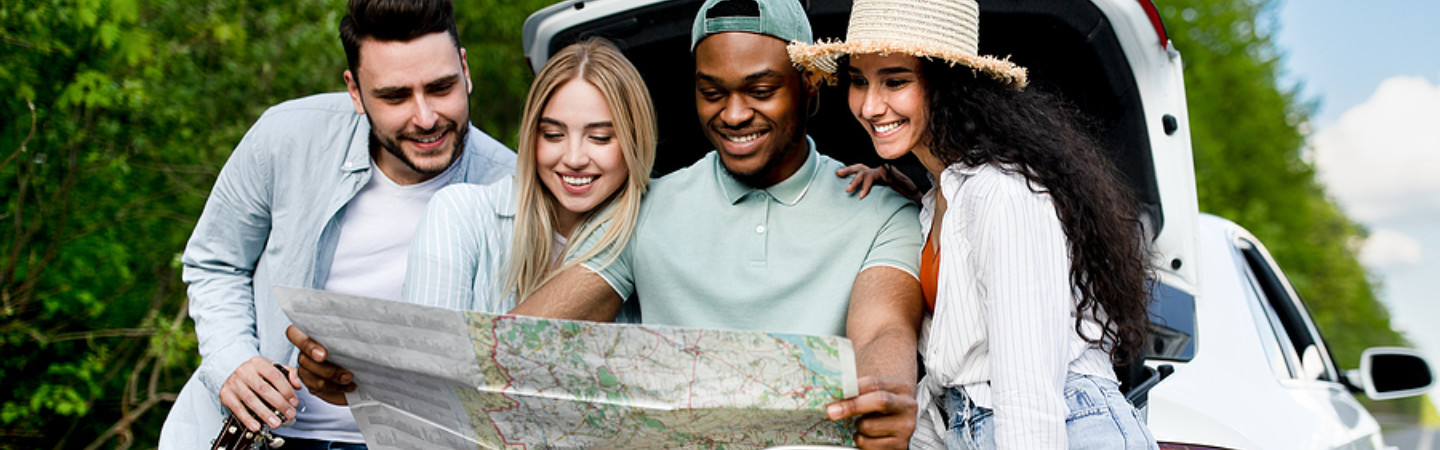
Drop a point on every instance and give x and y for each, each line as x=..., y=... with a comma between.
x=1375, y=139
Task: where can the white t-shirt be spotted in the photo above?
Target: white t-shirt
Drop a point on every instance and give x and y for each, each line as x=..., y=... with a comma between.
x=375, y=232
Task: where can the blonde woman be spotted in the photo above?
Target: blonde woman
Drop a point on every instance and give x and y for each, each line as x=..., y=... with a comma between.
x=587, y=144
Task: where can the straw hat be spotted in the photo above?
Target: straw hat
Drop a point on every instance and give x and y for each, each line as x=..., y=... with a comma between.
x=945, y=29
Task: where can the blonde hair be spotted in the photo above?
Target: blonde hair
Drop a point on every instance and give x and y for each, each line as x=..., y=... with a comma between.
x=601, y=64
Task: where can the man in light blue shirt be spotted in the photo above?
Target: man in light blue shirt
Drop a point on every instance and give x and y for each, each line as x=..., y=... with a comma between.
x=324, y=192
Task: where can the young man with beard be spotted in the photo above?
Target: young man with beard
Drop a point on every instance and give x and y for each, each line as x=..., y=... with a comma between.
x=325, y=192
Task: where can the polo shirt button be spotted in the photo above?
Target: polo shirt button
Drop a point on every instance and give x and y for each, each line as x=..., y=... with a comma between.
x=759, y=229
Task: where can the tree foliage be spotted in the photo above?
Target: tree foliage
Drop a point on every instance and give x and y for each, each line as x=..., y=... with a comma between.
x=1249, y=136
x=115, y=118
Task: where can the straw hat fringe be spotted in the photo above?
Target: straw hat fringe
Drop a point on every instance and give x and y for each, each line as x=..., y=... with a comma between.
x=823, y=57
x=944, y=29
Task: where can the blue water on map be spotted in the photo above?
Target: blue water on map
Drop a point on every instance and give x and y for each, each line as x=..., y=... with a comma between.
x=808, y=357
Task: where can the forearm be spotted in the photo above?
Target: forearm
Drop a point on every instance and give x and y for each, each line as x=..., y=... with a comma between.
x=223, y=308
x=577, y=294
x=890, y=354
x=884, y=324
x=220, y=261
x=219, y=265
x=884, y=318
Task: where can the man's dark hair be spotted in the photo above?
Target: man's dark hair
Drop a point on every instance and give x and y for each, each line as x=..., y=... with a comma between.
x=394, y=21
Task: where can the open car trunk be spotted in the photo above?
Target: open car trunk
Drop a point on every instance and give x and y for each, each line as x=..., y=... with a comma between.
x=1110, y=58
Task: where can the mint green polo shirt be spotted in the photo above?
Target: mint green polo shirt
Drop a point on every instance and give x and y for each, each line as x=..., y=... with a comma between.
x=711, y=252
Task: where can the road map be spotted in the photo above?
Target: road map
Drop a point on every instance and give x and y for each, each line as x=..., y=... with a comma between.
x=442, y=379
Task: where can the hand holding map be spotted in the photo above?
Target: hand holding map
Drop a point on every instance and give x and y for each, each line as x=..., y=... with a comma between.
x=434, y=378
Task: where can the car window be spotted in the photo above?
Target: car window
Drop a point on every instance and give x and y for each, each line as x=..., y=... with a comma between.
x=1282, y=357
x=1298, y=340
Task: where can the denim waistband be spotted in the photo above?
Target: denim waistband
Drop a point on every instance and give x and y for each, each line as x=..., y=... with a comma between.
x=954, y=398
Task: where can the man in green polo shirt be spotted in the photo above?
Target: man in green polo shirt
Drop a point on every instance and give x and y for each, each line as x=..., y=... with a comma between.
x=760, y=234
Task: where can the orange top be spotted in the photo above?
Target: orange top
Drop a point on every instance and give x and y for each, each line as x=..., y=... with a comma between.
x=930, y=272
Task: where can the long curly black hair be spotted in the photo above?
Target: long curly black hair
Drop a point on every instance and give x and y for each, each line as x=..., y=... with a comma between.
x=975, y=120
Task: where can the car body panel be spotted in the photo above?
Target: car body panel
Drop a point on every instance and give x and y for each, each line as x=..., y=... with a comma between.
x=1229, y=395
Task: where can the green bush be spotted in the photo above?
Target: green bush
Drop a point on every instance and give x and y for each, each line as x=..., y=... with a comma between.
x=115, y=117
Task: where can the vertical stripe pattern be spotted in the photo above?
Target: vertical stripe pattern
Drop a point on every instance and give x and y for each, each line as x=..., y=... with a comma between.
x=1003, y=326
x=459, y=257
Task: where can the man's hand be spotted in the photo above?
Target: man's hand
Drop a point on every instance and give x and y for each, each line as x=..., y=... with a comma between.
x=886, y=409
x=327, y=381
x=255, y=384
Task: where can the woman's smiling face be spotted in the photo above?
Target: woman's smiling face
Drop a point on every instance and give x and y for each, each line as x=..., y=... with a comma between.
x=578, y=157
x=887, y=95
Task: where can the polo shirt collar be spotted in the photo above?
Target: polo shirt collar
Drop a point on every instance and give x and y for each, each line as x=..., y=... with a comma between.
x=788, y=192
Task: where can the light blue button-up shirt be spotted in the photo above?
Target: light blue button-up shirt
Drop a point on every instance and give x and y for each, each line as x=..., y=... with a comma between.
x=273, y=219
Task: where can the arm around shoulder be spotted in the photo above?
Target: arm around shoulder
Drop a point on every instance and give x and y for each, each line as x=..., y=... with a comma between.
x=592, y=289
x=576, y=293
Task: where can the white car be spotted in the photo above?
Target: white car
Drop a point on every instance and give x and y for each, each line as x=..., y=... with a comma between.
x=1114, y=60
x=1254, y=372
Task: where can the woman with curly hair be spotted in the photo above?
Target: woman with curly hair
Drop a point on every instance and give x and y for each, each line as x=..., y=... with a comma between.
x=1034, y=266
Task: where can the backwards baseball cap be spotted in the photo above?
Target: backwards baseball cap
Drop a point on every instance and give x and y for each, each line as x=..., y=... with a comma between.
x=781, y=19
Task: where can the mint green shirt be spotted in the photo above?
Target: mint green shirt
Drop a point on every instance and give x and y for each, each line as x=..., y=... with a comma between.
x=711, y=252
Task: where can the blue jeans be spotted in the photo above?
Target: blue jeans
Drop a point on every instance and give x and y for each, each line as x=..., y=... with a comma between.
x=1099, y=418
x=313, y=444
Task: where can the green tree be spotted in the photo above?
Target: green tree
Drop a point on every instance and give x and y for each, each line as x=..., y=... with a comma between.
x=115, y=118
x=1249, y=136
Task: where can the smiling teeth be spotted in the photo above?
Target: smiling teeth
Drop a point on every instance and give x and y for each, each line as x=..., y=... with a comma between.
x=429, y=140
x=880, y=129
x=577, y=181
x=742, y=139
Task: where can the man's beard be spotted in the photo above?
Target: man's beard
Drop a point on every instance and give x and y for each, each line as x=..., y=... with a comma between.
x=392, y=146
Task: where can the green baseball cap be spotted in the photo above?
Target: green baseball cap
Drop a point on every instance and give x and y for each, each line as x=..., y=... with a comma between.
x=781, y=19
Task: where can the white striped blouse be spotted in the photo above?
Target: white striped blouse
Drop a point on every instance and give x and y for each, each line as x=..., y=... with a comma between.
x=460, y=255
x=1003, y=326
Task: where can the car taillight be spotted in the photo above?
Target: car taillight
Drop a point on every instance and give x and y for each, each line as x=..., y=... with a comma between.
x=1155, y=22
x=1175, y=446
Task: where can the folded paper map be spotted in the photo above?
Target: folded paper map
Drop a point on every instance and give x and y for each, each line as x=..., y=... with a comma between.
x=442, y=379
